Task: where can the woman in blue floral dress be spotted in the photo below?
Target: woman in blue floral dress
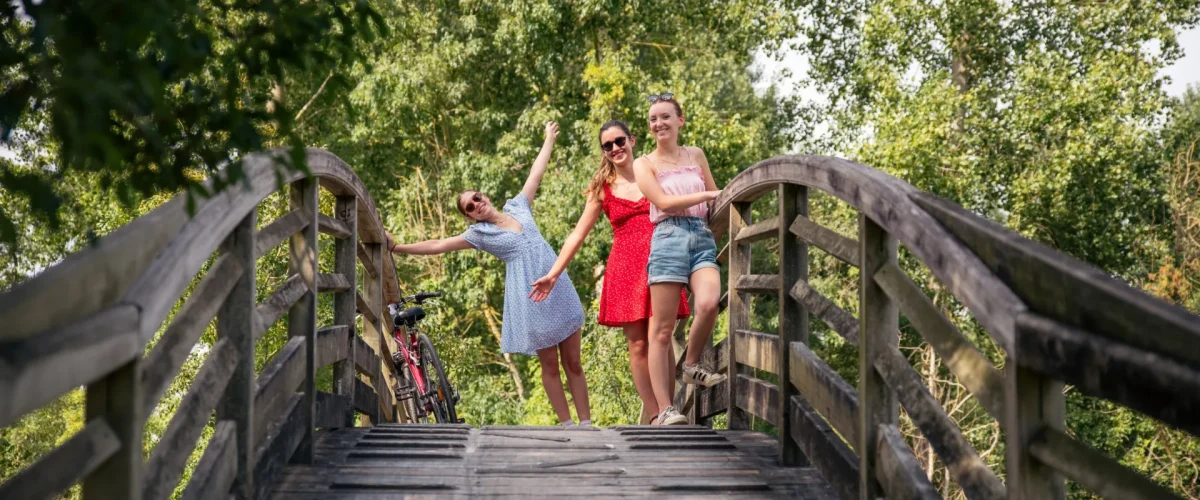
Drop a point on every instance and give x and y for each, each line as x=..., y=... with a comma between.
x=550, y=328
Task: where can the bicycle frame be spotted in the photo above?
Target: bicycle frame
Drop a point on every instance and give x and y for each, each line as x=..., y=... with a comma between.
x=410, y=353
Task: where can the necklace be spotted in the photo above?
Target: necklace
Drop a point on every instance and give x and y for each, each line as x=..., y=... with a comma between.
x=661, y=159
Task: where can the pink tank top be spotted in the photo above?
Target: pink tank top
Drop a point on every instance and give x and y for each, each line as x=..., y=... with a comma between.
x=683, y=180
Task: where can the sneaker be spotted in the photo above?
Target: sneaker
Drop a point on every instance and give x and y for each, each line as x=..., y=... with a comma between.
x=696, y=374
x=670, y=416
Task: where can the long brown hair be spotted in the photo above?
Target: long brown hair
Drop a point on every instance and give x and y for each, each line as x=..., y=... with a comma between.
x=608, y=171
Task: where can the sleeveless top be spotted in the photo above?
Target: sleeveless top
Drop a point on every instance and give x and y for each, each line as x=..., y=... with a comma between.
x=684, y=180
x=625, y=297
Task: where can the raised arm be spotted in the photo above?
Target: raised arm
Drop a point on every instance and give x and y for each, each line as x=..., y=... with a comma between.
x=539, y=165
x=429, y=247
x=648, y=183
x=543, y=286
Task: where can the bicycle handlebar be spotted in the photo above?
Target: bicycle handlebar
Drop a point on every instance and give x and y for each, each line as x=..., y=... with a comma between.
x=420, y=297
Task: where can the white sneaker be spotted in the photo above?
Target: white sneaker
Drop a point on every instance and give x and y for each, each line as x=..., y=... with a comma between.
x=699, y=375
x=670, y=416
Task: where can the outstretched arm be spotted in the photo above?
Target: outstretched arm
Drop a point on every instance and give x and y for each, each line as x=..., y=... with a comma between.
x=543, y=286
x=539, y=165
x=429, y=247
x=648, y=183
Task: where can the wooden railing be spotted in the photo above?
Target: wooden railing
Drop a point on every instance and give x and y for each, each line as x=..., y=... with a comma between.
x=88, y=321
x=1058, y=321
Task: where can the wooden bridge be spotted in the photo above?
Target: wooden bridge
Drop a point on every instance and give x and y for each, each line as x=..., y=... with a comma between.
x=122, y=317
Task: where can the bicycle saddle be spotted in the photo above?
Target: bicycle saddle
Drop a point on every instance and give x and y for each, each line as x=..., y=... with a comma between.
x=409, y=317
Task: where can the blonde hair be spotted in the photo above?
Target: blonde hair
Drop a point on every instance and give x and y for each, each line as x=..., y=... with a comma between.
x=608, y=171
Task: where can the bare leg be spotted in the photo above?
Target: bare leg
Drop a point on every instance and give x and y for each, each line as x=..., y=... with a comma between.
x=706, y=294
x=664, y=304
x=553, y=383
x=569, y=351
x=635, y=335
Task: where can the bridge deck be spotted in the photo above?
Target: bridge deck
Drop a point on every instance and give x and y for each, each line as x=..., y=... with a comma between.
x=496, y=461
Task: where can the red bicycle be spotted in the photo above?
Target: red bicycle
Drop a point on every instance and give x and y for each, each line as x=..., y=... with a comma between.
x=426, y=393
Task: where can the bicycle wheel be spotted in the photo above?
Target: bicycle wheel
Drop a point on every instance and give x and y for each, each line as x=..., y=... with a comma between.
x=413, y=405
x=443, y=396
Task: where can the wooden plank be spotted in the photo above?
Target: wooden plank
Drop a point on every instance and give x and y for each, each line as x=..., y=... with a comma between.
x=345, y=264
x=332, y=344
x=163, y=362
x=1033, y=402
x=117, y=399
x=879, y=325
x=33, y=370
x=279, y=446
x=332, y=410
x=898, y=471
x=837, y=463
x=963, y=463
x=793, y=315
x=713, y=401
x=365, y=399
x=758, y=397
x=368, y=313
x=279, y=230
x=759, y=231
x=302, y=318
x=218, y=467
x=278, y=303
x=334, y=227
x=1094, y=469
x=365, y=359
x=236, y=324
x=1153, y=384
x=759, y=350
x=758, y=283
x=972, y=369
x=1068, y=290
x=825, y=390
x=48, y=478
x=375, y=333
x=333, y=283
x=277, y=384
x=368, y=263
x=170, y=455
x=837, y=318
x=843, y=248
x=739, y=309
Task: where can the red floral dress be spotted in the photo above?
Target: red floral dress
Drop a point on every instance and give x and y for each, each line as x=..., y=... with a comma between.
x=626, y=297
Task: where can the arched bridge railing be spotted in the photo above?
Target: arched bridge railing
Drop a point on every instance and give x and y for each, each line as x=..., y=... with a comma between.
x=88, y=321
x=1058, y=320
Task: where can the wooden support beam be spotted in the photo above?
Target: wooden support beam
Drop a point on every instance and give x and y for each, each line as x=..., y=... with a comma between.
x=279, y=446
x=279, y=303
x=332, y=344
x=335, y=282
x=218, y=467
x=825, y=390
x=279, y=230
x=793, y=315
x=366, y=400
x=758, y=283
x=898, y=470
x=759, y=350
x=117, y=398
x=824, y=449
x=238, y=323
x=843, y=248
x=837, y=318
x=277, y=384
x=302, y=318
x=365, y=359
x=758, y=397
x=1093, y=469
x=335, y=227
x=48, y=478
x=879, y=323
x=759, y=231
x=739, y=307
x=332, y=410
x=345, y=252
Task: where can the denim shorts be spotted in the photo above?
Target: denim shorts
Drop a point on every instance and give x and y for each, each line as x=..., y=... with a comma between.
x=680, y=246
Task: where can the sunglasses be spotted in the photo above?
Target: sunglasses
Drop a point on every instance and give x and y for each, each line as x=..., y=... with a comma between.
x=475, y=202
x=608, y=146
x=665, y=96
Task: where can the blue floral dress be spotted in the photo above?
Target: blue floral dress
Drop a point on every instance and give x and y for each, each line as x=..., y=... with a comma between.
x=528, y=325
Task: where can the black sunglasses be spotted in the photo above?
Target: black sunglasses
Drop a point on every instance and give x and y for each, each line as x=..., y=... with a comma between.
x=608, y=146
x=665, y=96
x=471, y=205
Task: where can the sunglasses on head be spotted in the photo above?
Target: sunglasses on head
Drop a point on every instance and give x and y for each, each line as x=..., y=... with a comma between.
x=476, y=200
x=665, y=96
x=608, y=146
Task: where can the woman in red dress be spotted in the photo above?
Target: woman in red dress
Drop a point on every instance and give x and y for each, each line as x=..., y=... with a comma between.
x=625, y=298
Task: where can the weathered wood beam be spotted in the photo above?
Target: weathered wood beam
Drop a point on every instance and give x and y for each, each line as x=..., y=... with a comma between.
x=368, y=312
x=793, y=315
x=843, y=248
x=334, y=227
x=1151, y=383
x=825, y=450
x=759, y=350
x=65, y=465
x=837, y=318
x=277, y=384
x=366, y=400
x=279, y=446
x=1093, y=469
x=367, y=262
x=739, y=307
x=332, y=345
x=880, y=321
x=759, y=231
x=898, y=471
x=170, y=455
x=365, y=359
x=302, y=317
x=825, y=390
x=723, y=255
x=758, y=283
x=278, y=231
x=713, y=401
x=117, y=398
x=218, y=467
x=332, y=410
x=278, y=303
x=333, y=283
x=758, y=397
x=961, y=460
x=237, y=323
x=345, y=264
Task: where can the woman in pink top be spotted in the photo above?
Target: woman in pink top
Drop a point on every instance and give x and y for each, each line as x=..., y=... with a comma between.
x=677, y=181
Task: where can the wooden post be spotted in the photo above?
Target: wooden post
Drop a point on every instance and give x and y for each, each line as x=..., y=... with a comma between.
x=739, y=307
x=1032, y=402
x=235, y=323
x=117, y=398
x=345, y=253
x=793, y=316
x=373, y=333
x=302, y=318
x=878, y=326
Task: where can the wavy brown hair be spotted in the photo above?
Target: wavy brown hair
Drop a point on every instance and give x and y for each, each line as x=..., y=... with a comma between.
x=608, y=171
